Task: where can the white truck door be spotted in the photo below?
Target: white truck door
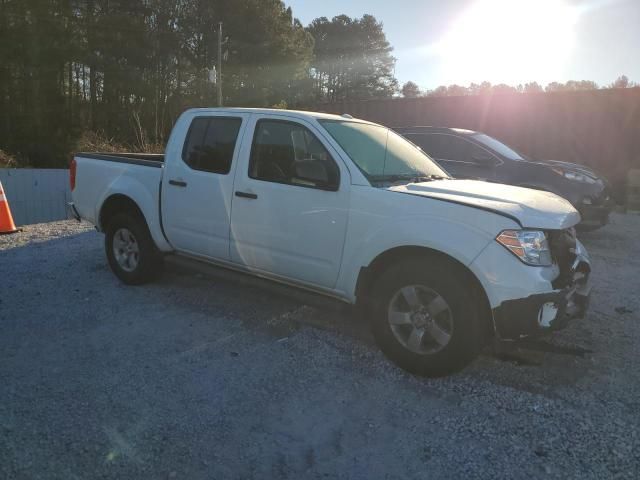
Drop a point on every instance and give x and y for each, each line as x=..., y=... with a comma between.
x=290, y=203
x=198, y=185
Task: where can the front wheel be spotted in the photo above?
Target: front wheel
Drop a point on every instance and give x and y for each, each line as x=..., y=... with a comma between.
x=425, y=318
x=131, y=252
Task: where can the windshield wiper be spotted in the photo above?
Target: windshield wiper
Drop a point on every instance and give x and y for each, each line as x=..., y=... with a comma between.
x=407, y=178
x=427, y=178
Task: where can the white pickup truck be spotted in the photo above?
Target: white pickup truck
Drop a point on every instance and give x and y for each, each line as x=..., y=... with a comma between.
x=348, y=209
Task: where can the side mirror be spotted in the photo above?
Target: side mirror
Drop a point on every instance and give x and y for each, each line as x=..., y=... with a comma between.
x=315, y=172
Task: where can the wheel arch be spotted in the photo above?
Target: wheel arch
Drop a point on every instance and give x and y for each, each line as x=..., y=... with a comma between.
x=369, y=274
x=115, y=204
x=119, y=202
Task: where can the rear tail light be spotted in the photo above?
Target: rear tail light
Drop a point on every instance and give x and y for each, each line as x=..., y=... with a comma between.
x=72, y=174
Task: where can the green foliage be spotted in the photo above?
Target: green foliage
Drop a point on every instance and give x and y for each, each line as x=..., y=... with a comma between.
x=532, y=87
x=411, y=90
x=6, y=160
x=352, y=59
x=35, y=39
x=623, y=82
x=572, y=86
x=128, y=68
x=485, y=88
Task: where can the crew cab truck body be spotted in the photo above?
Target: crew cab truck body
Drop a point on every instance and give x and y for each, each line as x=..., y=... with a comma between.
x=347, y=209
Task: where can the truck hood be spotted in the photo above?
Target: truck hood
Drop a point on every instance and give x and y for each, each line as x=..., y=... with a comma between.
x=531, y=208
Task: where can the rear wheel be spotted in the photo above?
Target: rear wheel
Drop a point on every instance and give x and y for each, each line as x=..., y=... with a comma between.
x=425, y=318
x=131, y=252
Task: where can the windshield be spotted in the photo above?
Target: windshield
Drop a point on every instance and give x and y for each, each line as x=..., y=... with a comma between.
x=381, y=154
x=498, y=146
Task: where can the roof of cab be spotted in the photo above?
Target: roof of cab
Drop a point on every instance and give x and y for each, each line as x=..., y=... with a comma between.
x=274, y=111
x=429, y=129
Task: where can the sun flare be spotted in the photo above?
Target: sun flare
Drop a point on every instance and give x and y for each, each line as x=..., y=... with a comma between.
x=510, y=41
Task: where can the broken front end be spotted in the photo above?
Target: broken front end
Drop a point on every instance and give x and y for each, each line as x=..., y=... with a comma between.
x=534, y=299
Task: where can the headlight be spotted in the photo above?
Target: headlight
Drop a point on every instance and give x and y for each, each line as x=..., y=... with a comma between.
x=575, y=176
x=530, y=246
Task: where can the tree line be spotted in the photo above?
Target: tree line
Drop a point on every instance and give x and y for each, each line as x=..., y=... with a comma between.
x=127, y=68
x=412, y=90
x=90, y=74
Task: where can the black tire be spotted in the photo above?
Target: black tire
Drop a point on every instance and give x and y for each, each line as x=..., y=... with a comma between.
x=445, y=279
x=149, y=260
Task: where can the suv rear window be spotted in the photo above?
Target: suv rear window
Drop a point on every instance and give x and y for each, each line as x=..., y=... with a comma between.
x=498, y=146
x=210, y=144
x=448, y=147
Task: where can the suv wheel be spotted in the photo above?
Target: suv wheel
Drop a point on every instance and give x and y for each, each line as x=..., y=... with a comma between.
x=424, y=317
x=131, y=252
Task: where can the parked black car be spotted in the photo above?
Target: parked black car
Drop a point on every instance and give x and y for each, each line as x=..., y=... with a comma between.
x=469, y=154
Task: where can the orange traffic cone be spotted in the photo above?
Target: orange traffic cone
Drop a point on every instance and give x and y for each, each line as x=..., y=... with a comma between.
x=6, y=220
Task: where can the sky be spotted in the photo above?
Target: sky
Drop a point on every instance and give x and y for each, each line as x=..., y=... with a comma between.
x=438, y=42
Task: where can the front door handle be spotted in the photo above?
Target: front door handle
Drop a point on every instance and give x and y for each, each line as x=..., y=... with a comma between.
x=177, y=183
x=251, y=196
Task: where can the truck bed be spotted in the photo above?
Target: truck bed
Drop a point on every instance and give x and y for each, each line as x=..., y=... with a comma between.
x=145, y=159
x=133, y=175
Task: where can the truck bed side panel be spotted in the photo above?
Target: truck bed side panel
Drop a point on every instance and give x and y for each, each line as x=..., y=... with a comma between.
x=97, y=180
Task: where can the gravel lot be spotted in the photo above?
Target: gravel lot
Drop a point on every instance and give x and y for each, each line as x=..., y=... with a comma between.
x=202, y=376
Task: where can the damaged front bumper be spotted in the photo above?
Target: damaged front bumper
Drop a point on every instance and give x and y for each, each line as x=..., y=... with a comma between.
x=546, y=312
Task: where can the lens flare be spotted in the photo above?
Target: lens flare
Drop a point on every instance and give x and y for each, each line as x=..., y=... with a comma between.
x=510, y=41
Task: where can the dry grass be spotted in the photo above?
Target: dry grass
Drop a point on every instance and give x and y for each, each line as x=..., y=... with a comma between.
x=7, y=160
x=99, y=142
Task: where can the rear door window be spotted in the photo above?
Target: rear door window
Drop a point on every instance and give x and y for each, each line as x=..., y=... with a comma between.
x=447, y=147
x=433, y=144
x=462, y=150
x=210, y=144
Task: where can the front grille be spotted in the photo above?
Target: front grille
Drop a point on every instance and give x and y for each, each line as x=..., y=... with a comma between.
x=563, y=250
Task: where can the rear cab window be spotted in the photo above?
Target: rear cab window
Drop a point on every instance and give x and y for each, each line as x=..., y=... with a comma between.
x=210, y=144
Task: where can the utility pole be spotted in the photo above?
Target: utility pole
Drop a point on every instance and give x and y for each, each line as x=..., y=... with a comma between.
x=219, y=79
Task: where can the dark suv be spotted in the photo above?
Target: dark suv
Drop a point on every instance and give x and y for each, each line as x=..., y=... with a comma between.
x=469, y=154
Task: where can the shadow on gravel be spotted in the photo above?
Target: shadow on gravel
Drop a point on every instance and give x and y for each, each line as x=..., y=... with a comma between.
x=324, y=314
x=300, y=307
x=519, y=353
x=548, y=347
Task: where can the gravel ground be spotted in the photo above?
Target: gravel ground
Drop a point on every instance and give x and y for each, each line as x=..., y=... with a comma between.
x=200, y=376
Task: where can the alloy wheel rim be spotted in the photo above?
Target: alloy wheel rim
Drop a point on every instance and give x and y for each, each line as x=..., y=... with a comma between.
x=126, y=249
x=420, y=319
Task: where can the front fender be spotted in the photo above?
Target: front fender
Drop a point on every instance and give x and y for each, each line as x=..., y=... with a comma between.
x=455, y=238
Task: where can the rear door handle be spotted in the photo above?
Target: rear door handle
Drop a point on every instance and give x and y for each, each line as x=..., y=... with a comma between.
x=251, y=196
x=177, y=183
